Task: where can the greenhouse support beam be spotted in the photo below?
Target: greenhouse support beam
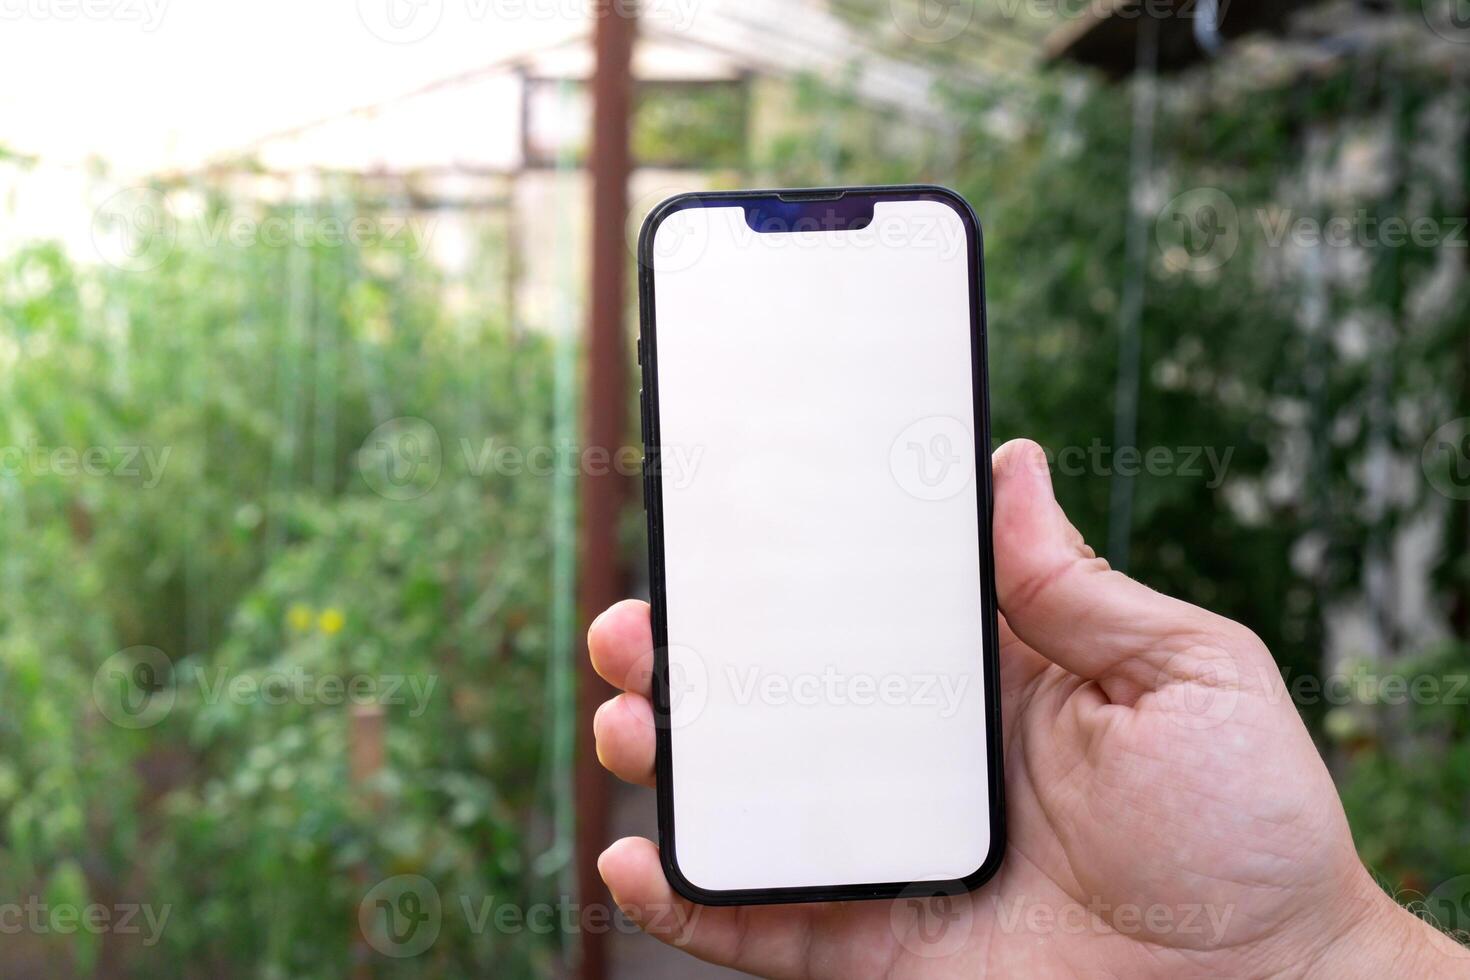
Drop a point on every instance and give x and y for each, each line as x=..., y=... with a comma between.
x=601, y=578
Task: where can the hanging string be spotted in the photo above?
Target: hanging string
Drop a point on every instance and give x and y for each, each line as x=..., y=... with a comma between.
x=1379, y=571
x=199, y=382
x=325, y=334
x=1125, y=413
x=560, y=757
x=292, y=326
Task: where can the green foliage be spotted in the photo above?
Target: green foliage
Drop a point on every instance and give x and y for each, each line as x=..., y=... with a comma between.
x=252, y=551
x=1408, y=783
x=691, y=125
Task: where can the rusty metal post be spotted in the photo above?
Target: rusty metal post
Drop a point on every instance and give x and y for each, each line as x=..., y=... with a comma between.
x=366, y=752
x=601, y=578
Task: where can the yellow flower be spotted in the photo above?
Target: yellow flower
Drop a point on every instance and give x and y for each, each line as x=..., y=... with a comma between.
x=332, y=621
x=299, y=617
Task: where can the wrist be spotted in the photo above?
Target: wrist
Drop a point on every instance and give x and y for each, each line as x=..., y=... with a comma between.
x=1373, y=937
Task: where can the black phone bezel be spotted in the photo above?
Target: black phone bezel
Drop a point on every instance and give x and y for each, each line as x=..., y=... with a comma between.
x=652, y=497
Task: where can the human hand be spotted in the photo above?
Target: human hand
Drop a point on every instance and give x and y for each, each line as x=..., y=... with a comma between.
x=1168, y=813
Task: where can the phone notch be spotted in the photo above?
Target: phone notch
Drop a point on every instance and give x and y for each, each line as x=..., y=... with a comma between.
x=809, y=211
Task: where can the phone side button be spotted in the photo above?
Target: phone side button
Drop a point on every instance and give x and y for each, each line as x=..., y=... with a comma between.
x=643, y=421
x=647, y=485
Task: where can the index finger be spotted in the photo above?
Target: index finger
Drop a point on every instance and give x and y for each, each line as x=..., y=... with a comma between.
x=620, y=643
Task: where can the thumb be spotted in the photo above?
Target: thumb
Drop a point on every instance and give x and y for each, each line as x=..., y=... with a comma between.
x=1067, y=604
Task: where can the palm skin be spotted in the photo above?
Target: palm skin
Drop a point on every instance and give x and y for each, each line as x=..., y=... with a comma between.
x=1168, y=813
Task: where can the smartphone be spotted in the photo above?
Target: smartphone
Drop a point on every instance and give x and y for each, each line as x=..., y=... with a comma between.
x=818, y=491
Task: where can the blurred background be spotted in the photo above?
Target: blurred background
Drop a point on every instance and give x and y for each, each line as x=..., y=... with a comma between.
x=318, y=423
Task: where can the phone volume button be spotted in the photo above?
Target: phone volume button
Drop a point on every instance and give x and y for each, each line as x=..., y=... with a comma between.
x=643, y=420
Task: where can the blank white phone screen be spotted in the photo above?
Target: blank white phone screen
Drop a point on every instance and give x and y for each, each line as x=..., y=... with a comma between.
x=822, y=549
